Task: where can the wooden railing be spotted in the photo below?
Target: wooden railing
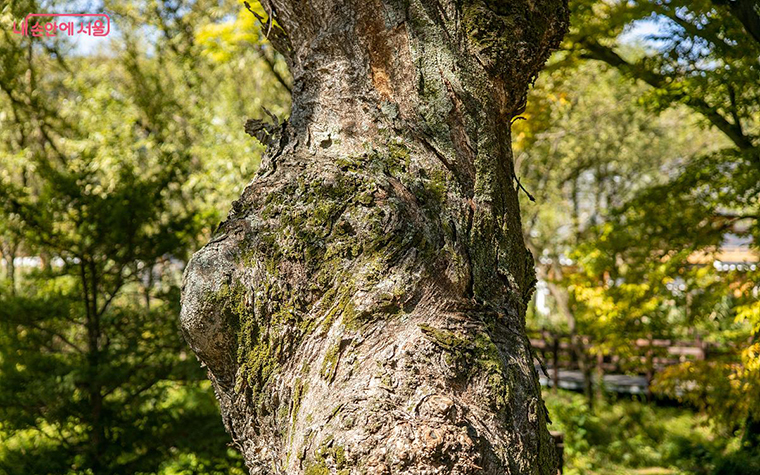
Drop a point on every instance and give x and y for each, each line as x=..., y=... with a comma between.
x=644, y=356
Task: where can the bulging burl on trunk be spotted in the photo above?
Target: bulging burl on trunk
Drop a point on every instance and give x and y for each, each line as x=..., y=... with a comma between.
x=361, y=310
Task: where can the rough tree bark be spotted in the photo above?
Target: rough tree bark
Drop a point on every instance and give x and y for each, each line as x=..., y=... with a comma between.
x=361, y=310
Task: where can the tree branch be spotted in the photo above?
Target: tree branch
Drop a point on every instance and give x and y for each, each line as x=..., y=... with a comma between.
x=744, y=11
x=271, y=65
x=596, y=51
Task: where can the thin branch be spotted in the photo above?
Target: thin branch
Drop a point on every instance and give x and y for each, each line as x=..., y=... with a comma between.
x=734, y=108
x=271, y=64
x=56, y=334
x=521, y=187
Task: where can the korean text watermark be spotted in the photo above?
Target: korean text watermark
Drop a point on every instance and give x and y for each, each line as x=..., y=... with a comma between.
x=89, y=24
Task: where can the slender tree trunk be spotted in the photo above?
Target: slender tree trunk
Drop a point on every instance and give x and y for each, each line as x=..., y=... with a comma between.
x=148, y=285
x=9, y=251
x=576, y=341
x=751, y=436
x=576, y=213
x=362, y=308
x=88, y=275
x=550, y=274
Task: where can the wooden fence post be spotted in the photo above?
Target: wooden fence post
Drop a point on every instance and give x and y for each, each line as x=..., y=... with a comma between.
x=599, y=374
x=649, y=366
x=559, y=447
x=704, y=347
x=543, y=347
x=555, y=361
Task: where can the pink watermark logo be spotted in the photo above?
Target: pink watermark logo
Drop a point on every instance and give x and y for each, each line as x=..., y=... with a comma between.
x=90, y=24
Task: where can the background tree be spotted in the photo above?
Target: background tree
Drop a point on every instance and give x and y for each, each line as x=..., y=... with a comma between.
x=585, y=148
x=637, y=268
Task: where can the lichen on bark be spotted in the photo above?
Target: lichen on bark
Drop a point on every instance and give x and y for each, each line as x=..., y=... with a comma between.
x=361, y=310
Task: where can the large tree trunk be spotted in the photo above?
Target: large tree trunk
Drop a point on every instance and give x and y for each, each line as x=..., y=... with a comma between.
x=362, y=308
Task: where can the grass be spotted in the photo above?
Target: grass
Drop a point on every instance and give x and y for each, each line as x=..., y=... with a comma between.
x=632, y=437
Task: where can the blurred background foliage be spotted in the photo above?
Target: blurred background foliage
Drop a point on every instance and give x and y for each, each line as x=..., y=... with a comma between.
x=117, y=162
x=639, y=147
